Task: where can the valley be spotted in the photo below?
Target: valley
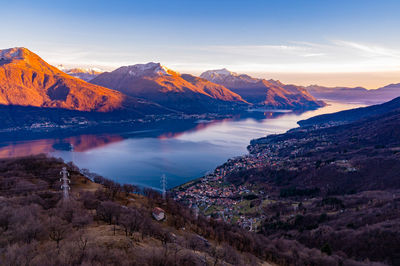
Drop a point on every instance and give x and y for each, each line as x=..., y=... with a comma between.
x=328, y=186
x=200, y=133
x=140, y=122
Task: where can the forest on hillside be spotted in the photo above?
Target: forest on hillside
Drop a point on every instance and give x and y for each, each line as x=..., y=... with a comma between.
x=105, y=223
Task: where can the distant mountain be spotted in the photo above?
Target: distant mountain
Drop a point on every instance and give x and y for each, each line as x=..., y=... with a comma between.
x=357, y=94
x=27, y=80
x=386, y=93
x=338, y=93
x=263, y=92
x=85, y=74
x=352, y=115
x=154, y=82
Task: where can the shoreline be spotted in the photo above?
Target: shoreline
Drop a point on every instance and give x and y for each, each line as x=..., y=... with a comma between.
x=127, y=133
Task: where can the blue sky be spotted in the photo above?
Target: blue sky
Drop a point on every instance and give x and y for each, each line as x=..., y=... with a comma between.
x=296, y=41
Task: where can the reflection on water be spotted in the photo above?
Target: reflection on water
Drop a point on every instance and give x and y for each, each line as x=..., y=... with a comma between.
x=78, y=144
x=182, y=150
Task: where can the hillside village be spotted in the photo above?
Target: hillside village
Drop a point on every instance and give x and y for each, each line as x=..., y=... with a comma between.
x=217, y=194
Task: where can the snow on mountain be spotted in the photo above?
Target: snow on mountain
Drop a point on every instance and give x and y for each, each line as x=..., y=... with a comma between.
x=223, y=72
x=61, y=67
x=85, y=74
x=11, y=53
x=224, y=76
x=217, y=73
x=149, y=69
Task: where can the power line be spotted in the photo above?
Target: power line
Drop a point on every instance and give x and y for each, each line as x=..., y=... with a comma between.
x=164, y=186
x=65, y=185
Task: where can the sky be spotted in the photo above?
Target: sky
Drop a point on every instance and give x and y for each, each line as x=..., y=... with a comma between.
x=331, y=43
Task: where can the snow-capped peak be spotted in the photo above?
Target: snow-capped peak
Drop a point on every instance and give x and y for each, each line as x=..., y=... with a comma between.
x=224, y=72
x=61, y=67
x=218, y=73
x=224, y=76
x=149, y=69
x=12, y=53
x=85, y=74
x=76, y=70
x=90, y=70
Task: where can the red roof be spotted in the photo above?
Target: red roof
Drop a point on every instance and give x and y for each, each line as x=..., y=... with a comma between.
x=158, y=210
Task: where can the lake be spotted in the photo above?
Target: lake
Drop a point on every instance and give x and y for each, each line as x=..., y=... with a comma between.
x=182, y=150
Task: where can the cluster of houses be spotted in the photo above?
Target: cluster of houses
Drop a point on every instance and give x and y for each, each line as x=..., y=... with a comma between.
x=214, y=196
x=249, y=223
x=344, y=165
x=288, y=153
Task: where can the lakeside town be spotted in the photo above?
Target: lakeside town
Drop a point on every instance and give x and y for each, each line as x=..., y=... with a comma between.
x=82, y=122
x=214, y=196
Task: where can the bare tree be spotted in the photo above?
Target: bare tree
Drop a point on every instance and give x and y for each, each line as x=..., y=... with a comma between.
x=5, y=216
x=89, y=200
x=217, y=253
x=20, y=254
x=128, y=189
x=57, y=229
x=131, y=219
x=112, y=187
x=175, y=249
x=195, y=242
x=81, y=219
x=31, y=229
x=108, y=210
x=81, y=242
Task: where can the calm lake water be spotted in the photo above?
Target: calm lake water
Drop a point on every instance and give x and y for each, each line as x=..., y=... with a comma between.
x=182, y=150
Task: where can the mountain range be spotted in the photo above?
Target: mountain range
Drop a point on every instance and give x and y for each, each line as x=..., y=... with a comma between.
x=85, y=74
x=27, y=80
x=156, y=83
x=352, y=115
x=356, y=94
x=261, y=92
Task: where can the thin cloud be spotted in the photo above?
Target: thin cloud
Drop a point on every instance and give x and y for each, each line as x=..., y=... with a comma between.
x=331, y=56
x=314, y=55
x=369, y=50
x=260, y=50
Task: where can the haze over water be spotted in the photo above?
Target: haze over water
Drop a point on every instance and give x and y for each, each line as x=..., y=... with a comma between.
x=181, y=154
